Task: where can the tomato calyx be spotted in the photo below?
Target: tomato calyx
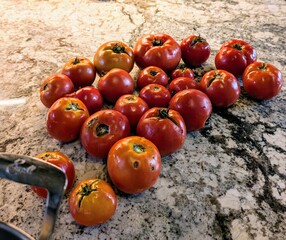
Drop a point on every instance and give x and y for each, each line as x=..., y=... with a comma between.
x=153, y=73
x=215, y=77
x=237, y=46
x=86, y=189
x=76, y=61
x=157, y=42
x=102, y=129
x=46, y=86
x=73, y=107
x=138, y=148
x=118, y=49
x=164, y=113
x=263, y=67
x=196, y=40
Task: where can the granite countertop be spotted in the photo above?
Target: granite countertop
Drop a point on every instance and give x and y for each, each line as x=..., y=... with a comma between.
x=228, y=180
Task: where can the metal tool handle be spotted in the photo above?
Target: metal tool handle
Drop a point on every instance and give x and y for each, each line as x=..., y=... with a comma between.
x=35, y=172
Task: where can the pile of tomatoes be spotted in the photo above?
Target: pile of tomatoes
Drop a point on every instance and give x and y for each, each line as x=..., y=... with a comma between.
x=148, y=116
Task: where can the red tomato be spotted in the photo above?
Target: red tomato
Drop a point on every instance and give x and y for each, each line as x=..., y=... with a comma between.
x=101, y=130
x=65, y=118
x=195, y=50
x=134, y=164
x=164, y=127
x=114, y=84
x=113, y=54
x=91, y=98
x=64, y=163
x=132, y=107
x=222, y=87
x=150, y=75
x=159, y=50
x=182, y=71
x=155, y=95
x=262, y=80
x=80, y=70
x=92, y=202
x=194, y=106
x=234, y=56
x=182, y=83
x=54, y=87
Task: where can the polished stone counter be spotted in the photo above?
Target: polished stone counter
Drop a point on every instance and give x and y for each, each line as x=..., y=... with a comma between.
x=227, y=182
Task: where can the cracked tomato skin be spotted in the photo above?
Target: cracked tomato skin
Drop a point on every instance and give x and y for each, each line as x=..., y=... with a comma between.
x=262, y=80
x=92, y=202
x=65, y=118
x=159, y=50
x=222, y=87
x=64, y=163
x=164, y=127
x=134, y=164
x=101, y=130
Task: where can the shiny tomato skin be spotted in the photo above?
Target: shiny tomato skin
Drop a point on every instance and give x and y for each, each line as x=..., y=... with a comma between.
x=92, y=202
x=80, y=70
x=159, y=50
x=113, y=54
x=164, y=127
x=114, y=84
x=101, y=130
x=150, y=75
x=182, y=71
x=195, y=50
x=221, y=87
x=182, y=83
x=133, y=107
x=62, y=161
x=134, y=164
x=262, y=80
x=155, y=95
x=65, y=118
x=194, y=106
x=54, y=87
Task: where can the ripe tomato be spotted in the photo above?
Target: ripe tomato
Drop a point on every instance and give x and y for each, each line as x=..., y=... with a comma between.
x=182, y=83
x=92, y=202
x=155, y=95
x=101, y=130
x=164, y=127
x=194, y=106
x=65, y=118
x=114, y=84
x=80, y=70
x=195, y=50
x=222, y=87
x=54, y=87
x=113, y=54
x=159, y=50
x=91, y=98
x=150, y=75
x=132, y=107
x=182, y=71
x=234, y=56
x=262, y=80
x=134, y=164
x=64, y=163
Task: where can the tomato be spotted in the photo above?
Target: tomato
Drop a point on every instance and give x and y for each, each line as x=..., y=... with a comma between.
x=262, y=80
x=101, y=130
x=222, y=87
x=164, y=127
x=64, y=163
x=134, y=164
x=182, y=71
x=195, y=50
x=80, y=70
x=113, y=54
x=132, y=107
x=155, y=95
x=150, y=75
x=65, y=118
x=182, y=83
x=92, y=202
x=194, y=106
x=114, y=84
x=54, y=87
x=234, y=56
x=159, y=50
x=91, y=97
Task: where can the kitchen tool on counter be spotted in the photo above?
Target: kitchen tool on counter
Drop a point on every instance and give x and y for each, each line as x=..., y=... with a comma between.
x=34, y=172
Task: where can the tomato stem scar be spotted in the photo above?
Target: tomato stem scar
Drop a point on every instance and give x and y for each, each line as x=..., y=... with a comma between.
x=102, y=129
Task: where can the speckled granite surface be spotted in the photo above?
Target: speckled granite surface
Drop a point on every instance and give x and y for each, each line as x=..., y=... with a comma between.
x=227, y=182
